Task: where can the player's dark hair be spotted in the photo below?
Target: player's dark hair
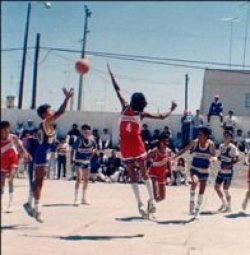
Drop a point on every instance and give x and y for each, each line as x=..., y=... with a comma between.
x=4, y=124
x=206, y=131
x=86, y=126
x=138, y=102
x=228, y=133
x=41, y=110
x=162, y=137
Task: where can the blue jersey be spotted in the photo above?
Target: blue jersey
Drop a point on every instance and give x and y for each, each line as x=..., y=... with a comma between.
x=227, y=155
x=201, y=158
x=84, y=149
x=45, y=140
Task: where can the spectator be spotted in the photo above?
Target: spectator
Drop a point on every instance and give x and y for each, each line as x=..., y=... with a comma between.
x=155, y=138
x=52, y=158
x=216, y=109
x=230, y=123
x=247, y=147
x=62, y=150
x=180, y=173
x=30, y=125
x=178, y=142
x=146, y=135
x=19, y=129
x=96, y=136
x=167, y=132
x=186, y=127
x=197, y=123
x=239, y=140
x=105, y=140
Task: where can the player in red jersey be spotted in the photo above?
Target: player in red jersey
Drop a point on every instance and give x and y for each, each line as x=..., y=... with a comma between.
x=247, y=198
x=10, y=145
x=160, y=158
x=132, y=148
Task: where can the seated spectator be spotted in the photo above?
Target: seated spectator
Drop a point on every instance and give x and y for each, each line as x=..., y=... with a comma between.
x=230, y=123
x=178, y=142
x=216, y=109
x=197, y=123
x=180, y=172
x=30, y=125
x=146, y=136
x=105, y=140
x=155, y=138
x=186, y=120
x=239, y=140
x=19, y=129
x=167, y=132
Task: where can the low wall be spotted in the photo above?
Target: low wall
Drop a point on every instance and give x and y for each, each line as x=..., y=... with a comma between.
x=109, y=120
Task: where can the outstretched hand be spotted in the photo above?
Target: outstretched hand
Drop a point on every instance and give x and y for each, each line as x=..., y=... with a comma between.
x=173, y=106
x=68, y=93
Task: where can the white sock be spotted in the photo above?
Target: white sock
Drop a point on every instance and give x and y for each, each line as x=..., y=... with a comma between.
x=149, y=186
x=76, y=194
x=10, y=199
x=223, y=201
x=84, y=194
x=37, y=205
x=199, y=201
x=192, y=196
x=30, y=198
x=136, y=192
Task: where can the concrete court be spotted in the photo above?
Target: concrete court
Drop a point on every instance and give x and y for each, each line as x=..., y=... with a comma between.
x=111, y=225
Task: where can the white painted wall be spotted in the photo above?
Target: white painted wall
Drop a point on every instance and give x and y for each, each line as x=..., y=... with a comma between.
x=232, y=86
x=102, y=120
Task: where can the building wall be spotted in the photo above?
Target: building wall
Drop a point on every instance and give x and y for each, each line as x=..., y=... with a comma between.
x=102, y=120
x=232, y=86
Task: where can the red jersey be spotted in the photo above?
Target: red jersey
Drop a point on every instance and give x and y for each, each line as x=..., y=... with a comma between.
x=131, y=144
x=159, y=166
x=9, y=154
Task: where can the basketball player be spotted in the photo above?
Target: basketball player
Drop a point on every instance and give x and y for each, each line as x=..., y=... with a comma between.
x=203, y=150
x=45, y=136
x=132, y=148
x=160, y=157
x=229, y=156
x=10, y=146
x=247, y=198
x=83, y=150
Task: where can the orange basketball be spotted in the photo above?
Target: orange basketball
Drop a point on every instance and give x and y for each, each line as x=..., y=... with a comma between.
x=82, y=66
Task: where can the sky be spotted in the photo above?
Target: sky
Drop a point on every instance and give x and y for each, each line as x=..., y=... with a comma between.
x=189, y=30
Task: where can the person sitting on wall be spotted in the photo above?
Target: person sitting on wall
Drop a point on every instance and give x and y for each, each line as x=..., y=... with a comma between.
x=105, y=140
x=216, y=109
x=230, y=123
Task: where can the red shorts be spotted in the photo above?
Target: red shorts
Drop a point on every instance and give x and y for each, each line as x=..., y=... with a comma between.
x=132, y=149
x=9, y=160
x=158, y=173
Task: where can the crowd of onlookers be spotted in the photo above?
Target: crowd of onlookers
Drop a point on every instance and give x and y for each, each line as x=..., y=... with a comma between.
x=106, y=164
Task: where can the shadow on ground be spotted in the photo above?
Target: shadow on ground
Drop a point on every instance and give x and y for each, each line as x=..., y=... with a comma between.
x=17, y=227
x=175, y=222
x=57, y=205
x=237, y=215
x=89, y=238
x=128, y=219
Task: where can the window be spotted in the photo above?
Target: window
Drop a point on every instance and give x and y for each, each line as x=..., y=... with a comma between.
x=247, y=100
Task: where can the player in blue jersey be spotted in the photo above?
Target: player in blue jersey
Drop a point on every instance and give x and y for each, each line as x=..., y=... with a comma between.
x=229, y=155
x=45, y=136
x=203, y=150
x=84, y=149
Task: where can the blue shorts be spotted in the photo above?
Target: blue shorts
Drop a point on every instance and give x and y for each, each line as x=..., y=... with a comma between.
x=82, y=166
x=224, y=178
x=40, y=157
x=201, y=176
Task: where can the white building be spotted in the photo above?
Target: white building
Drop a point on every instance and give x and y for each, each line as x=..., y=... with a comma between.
x=233, y=86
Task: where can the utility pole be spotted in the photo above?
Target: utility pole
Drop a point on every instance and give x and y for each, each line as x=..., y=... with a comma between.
x=186, y=91
x=246, y=35
x=87, y=16
x=25, y=44
x=33, y=105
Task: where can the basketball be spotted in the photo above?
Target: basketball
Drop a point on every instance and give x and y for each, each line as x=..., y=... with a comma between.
x=82, y=66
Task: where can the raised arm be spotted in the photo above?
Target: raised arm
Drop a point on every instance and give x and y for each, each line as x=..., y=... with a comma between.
x=160, y=116
x=68, y=94
x=188, y=147
x=123, y=101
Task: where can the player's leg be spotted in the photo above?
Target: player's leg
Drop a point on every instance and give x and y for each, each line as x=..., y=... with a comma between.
x=79, y=176
x=202, y=188
x=162, y=191
x=247, y=198
x=11, y=189
x=217, y=187
x=193, y=184
x=85, y=175
x=226, y=186
x=155, y=187
x=40, y=173
x=144, y=171
x=3, y=178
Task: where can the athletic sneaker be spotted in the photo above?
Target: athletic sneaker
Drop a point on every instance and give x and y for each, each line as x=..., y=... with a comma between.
x=192, y=208
x=151, y=206
x=244, y=204
x=227, y=209
x=76, y=203
x=9, y=209
x=222, y=208
x=197, y=213
x=142, y=210
x=28, y=208
x=38, y=216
